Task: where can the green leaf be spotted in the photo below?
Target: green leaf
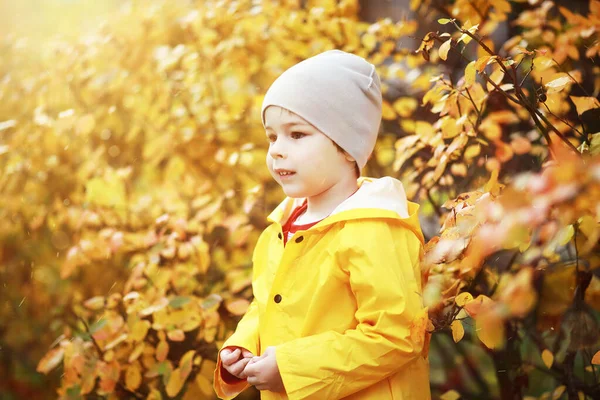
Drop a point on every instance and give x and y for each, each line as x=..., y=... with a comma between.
x=444, y=21
x=212, y=301
x=97, y=326
x=179, y=301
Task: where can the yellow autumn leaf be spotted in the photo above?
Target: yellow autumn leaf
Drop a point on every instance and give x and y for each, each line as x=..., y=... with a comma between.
x=405, y=106
x=137, y=352
x=458, y=331
x=108, y=372
x=50, y=360
x=157, y=306
x=493, y=186
x=463, y=298
x=490, y=329
x=518, y=294
x=369, y=41
x=558, y=83
x=547, y=358
x=491, y=129
x=588, y=225
x=133, y=377
x=481, y=63
x=387, y=111
x=450, y=395
x=95, y=303
x=154, y=395
x=162, y=350
x=109, y=356
x=465, y=38
x=583, y=104
x=139, y=330
x=186, y=363
x=116, y=341
x=495, y=77
x=204, y=384
x=444, y=48
x=481, y=302
x=471, y=152
x=558, y=392
x=596, y=358
x=176, y=382
x=470, y=72
x=481, y=51
x=520, y=145
x=542, y=63
x=238, y=306
x=208, y=211
x=449, y=128
x=565, y=235
x=458, y=169
x=423, y=129
x=176, y=335
x=595, y=144
x=504, y=152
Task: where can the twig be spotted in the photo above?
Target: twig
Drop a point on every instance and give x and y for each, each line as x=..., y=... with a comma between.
x=479, y=112
x=571, y=76
x=527, y=74
x=87, y=329
x=562, y=120
x=545, y=133
x=101, y=354
x=523, y=101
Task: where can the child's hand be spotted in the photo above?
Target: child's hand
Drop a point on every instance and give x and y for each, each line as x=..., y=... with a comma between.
x=234, y=361
x=263, y=372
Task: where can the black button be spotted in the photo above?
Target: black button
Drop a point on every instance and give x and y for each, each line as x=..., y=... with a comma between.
x=279, y=235
x=277, y=298
x=299, y=239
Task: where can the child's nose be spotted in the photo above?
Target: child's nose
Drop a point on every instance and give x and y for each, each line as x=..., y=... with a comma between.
x=277, y=150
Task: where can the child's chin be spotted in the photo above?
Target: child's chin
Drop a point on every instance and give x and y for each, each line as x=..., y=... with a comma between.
x=293, y=193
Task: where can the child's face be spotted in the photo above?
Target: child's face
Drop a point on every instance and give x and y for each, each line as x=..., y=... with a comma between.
x=312, y=158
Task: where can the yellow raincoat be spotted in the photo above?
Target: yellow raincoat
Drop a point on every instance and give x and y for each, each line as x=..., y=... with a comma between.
x=341, y=302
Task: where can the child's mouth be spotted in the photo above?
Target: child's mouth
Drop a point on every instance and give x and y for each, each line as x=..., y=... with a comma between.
x=284, y=172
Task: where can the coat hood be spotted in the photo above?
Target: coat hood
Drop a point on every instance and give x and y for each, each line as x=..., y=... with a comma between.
x=375, y=198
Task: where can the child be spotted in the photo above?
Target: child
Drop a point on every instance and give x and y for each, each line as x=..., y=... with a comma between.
x=337, y=310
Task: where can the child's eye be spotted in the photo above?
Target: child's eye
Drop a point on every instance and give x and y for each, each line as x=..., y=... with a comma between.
x=297, y=135
x=271, y=138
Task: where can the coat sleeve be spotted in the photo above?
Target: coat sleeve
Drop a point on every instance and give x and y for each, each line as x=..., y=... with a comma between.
x=382, y=262
x=225, y=385
x=246, y=335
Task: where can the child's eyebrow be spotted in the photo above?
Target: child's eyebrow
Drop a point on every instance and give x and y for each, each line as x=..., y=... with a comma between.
x=288, y=124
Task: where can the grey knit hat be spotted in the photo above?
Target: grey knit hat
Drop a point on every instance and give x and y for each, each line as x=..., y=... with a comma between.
x=337, y=92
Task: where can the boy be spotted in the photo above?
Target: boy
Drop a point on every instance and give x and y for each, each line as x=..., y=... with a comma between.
x=336, y=280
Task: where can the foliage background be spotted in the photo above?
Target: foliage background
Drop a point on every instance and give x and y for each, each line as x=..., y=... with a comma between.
x=133, y=184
